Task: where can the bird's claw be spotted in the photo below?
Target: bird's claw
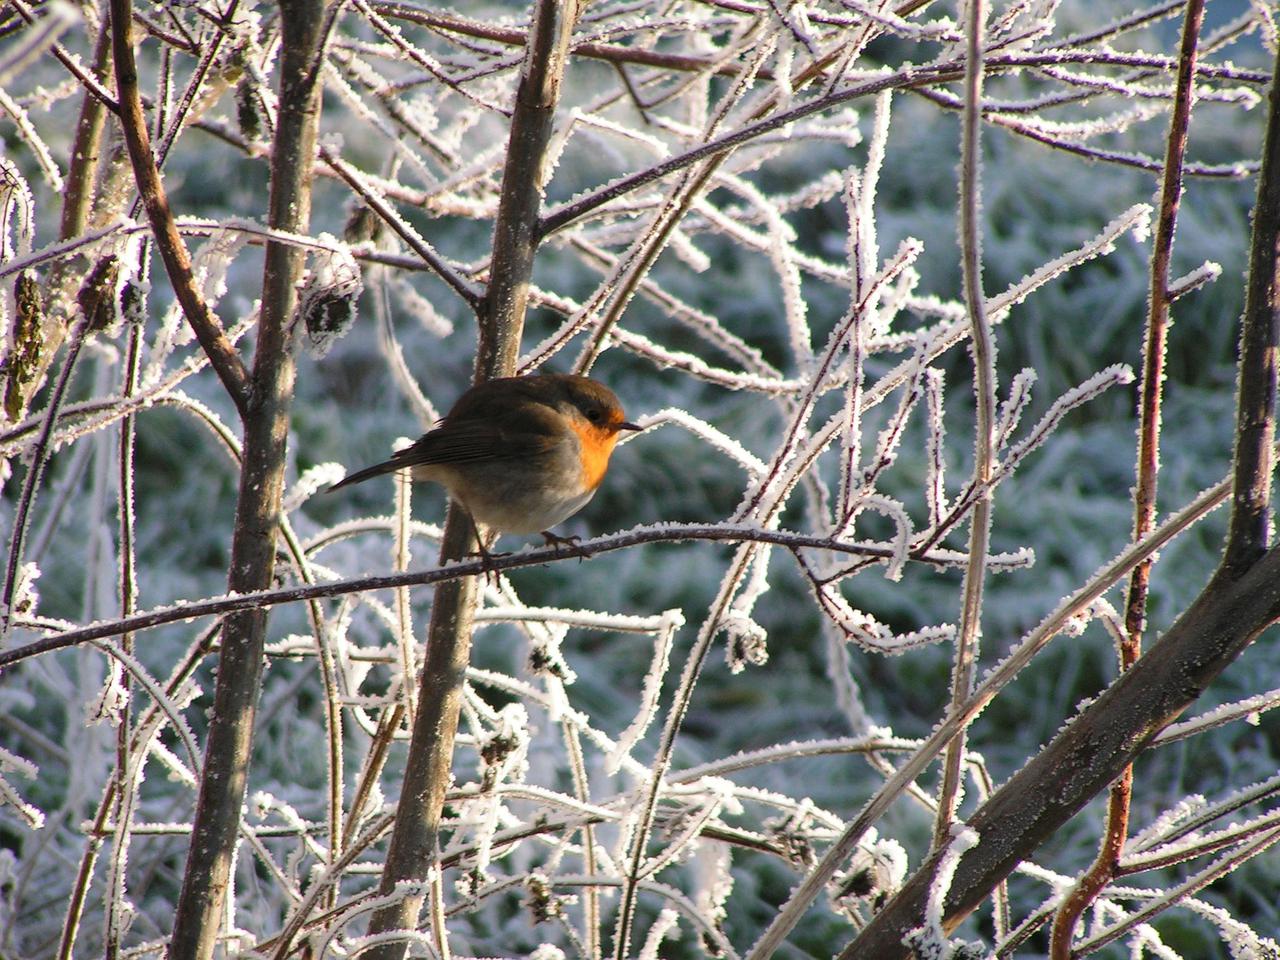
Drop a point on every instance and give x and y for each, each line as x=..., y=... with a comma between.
x=487, y=557
x=569, y=544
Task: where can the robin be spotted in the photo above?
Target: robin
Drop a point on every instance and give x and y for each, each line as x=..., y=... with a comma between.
x=520, y=454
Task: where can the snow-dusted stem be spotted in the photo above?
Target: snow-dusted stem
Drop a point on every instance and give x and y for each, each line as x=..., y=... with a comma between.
x=739, y=568
x=78, y=196
x=22, y=514
x=984, y=384
x=404, y=612
x=128, y=598
x=581, y=788
x=516, y=235
x=1197, y=881
x=1151, y=393
x=671, y=533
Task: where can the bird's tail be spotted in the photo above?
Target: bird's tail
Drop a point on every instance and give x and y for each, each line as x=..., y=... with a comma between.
x=377, y=470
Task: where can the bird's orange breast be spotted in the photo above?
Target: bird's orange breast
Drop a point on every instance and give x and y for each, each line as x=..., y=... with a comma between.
x=596, y=445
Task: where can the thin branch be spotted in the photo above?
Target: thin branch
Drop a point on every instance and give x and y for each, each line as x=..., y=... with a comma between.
x=984, y=387
x=1151, y=393
x=667, y=533
x=609, y=52
x=72, y=63
x=463, y=287
x=173, y=251
x=30, y=484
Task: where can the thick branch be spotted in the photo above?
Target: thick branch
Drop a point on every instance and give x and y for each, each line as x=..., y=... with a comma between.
x=304, y=24
x=173, y=251
x=1089, y=754
x=515, y=233
x=1256, y=392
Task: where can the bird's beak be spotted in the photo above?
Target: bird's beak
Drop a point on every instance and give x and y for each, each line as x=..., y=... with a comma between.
x=625, y=425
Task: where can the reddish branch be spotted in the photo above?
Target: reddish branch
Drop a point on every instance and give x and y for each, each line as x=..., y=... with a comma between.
x=1151, y=392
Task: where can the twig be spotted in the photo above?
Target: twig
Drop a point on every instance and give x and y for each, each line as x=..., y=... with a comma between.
x=1198, y=881
x=613, y=53
x=984, y=387
x=438, y=264
x=72, y=63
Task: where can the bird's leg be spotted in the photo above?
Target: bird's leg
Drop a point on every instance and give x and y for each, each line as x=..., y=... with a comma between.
x=569, y=543
x=486, y=556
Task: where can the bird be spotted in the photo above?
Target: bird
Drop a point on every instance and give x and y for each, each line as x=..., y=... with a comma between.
x=519, y=454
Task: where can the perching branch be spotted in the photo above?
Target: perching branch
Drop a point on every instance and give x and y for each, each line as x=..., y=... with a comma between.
x=668, y=533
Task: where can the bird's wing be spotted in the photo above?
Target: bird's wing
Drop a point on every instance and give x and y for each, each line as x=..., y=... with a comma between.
x=500, y=437
x=480, y=427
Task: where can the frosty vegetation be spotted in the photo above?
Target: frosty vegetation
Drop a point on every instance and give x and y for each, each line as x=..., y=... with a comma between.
x=865, y=630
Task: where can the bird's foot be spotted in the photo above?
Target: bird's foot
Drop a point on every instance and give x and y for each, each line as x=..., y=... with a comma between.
x=568, y=544
x=487, y=557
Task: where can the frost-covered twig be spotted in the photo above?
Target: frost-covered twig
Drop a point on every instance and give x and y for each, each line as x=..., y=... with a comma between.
x=1198, y=881
x=984, y=388
x=39, y=455
x=1247, y=709
x=430, y=256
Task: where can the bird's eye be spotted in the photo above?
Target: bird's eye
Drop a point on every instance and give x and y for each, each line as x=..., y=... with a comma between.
x=594, y=416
